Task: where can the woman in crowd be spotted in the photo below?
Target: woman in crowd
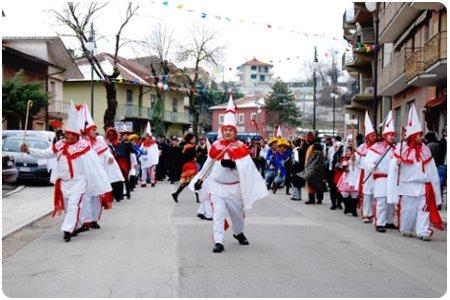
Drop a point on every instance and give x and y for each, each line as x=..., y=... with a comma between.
x=347, y=181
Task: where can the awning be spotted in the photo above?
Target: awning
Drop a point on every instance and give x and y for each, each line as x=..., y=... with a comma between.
x=436, y=101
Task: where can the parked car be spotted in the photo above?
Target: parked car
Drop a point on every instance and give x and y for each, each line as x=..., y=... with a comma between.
x=9, y=170
x=48, y=135
x=242, y=136
x=30, y=168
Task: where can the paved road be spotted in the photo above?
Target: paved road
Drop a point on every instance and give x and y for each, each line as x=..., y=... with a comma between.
x=151, y=247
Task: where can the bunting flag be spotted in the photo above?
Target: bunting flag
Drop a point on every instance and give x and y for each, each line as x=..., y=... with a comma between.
x=166, y=3
x=180, y=6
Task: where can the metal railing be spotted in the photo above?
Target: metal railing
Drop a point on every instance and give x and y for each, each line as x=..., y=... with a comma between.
x=133, y=111
x=58, y=107
x=347, y=58
x=435, y=49
x=414, y=63
x=394, y=70
x=366, y=86
x=365, y=35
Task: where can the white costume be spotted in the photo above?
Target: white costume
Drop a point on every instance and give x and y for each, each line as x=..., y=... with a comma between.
x=205, y=206
x=418, y=190
x=383, y=212
x=92, y=209
x=365, y=189
x=232, y=190
x=78, y=173
x=149, y=158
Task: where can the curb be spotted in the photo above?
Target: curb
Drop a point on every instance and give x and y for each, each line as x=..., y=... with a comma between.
x=16, y=190
x=27, y=224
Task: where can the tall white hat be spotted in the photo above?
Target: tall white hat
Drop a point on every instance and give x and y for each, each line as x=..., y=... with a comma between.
x=230, y=115
x=148, y=130
x=279, y=132
x=389, y=125
x=73, y=120
x=413, y=125
x=86, y=121
x=368, y=127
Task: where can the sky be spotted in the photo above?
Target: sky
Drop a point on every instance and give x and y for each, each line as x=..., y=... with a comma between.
x=246, y=36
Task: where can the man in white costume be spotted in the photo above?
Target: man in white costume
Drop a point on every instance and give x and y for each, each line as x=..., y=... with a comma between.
x=413, y=183
x=365, y=190
x=149, y=158
x=377, y=160
x=78, y=173
x=232, y=179
x=91, y=212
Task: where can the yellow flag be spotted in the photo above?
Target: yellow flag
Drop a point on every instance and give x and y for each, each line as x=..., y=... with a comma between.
x=180, y=6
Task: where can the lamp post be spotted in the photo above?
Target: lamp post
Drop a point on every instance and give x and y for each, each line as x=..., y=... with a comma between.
x=373, y=8
x=90, y=45
x=334, y=97
x=315, y=87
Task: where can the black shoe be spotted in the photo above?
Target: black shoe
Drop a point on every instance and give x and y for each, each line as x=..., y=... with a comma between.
x=143, y=185
x=66, y=236
x=319, y=201
x=83, y=228
x=201, y=216
x=218, y=247
x=333, y=207
x=95, y=225
x=295, y=199
x=381, y=229
x=175, y=197
x=118, y=200
x=390, y=226
x=172, y=182
x=208, y=219
x=153, y=185
x=310, y=202
x=339, y=206
x=241, y=238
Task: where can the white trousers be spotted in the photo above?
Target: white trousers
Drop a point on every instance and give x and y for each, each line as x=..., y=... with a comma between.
x=367, y=206
x=148, y=173
x=91, y=209
x=72, y=212
x=222, y=206
x=384, y=212
x=413, y=216
x=205, y=209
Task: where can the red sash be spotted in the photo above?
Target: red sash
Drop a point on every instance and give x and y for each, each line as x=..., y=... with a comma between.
x=430, y=198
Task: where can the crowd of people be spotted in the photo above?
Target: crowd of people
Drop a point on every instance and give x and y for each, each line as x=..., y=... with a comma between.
x=366, y=175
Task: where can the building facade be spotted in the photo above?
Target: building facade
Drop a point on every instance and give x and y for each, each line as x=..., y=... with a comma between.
x=255, y=77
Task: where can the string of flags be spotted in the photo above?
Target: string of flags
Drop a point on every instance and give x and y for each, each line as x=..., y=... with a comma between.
x=205, y=15
x=366, y=48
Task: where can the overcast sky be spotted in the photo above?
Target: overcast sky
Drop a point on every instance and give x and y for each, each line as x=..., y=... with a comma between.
x=246, y=36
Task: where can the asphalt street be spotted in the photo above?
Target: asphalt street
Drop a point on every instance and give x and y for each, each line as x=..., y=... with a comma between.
x=150, y=246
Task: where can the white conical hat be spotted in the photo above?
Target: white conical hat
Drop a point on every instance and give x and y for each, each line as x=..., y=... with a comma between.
x=230, y=114
x=389, y=125
x=148, y=130
x=124, y=128
x=86, y=121
x=279, y=132
x=413, y=125
x=368, y=127
x=73, y=119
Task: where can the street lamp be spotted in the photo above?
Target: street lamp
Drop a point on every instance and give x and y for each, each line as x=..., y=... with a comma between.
x=90, y=45
x=334, y=97
x=315, y=66
x=373, y=8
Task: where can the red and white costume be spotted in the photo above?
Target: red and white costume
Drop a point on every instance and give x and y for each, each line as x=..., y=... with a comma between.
x=418, y=191
x=91, y=212
x=365, y=190
x=78, y=173
x=348, y=180
x=383, y=212
x=149, y=158
x=231, y=190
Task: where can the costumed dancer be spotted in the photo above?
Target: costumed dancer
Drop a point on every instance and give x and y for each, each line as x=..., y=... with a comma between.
x=232, y=179
x=413, y=183
x=90, y=214
x=377, y=160
x=281, y=156
x=271, y=165
x=189, y=165
x=347, y=181
x=149, y=157
x=365, y=191
x=78, y=173
x=205, y=211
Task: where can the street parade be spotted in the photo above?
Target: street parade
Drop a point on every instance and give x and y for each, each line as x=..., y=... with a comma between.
x=212, y=150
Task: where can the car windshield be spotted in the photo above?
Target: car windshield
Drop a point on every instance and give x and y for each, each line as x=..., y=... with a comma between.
x=13, y=145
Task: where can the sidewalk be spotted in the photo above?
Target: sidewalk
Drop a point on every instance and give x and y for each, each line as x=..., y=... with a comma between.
x=26, y=206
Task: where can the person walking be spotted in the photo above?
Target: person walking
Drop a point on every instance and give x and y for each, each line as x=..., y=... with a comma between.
x=189, y=165
x=149, y=158
x=314, y=174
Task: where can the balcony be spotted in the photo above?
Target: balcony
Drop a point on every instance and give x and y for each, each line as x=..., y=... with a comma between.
x=435, y=49
x=177, y=117
x=391, y=79
x=133, y=112
x=366, y=90
x=365, y=35
x=395, y=19
x=58, y=109
x=414, y=64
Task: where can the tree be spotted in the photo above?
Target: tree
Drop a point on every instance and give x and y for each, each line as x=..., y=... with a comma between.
x=77, y=19
x=201, y=50
x=16, y=93
x=281, y=106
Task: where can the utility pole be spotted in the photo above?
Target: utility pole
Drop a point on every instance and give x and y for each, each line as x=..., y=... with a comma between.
x=91, y=46
x=315, y=87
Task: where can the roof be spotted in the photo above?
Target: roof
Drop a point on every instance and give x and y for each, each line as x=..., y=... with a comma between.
x=148, y=61
x=59, y=57
x=255, y=62
x=244, y=102
x=26, y=56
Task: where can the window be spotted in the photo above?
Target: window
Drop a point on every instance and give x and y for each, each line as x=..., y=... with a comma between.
x=262, y=78
x=398, y=120
x=52, y=91
x=221, y=117
x=153, y=99
x=129, y=97
x=241, y=118
x=387, y=50
x=253, y=76
x=253, y=116
x=174, y=105
x=253, y=68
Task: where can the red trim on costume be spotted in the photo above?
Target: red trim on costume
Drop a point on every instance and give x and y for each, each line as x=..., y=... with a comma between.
x=106, y=200
x=148, y=144
x=102, y=151
x=379, y=175
x=237, y=149
x=58, y=199
x=399, y=212
x=431, y=207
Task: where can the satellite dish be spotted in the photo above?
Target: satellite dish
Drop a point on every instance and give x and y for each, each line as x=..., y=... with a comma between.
x=371, y=6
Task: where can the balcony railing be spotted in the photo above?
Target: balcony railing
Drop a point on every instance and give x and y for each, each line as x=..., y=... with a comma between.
x=58, y=107
x=414, y=63
x=347, y=58
x=177, y=117
x=394, y=70
x=365, y=86
x=365, y=35
x=133, y=111
x=435, y=49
